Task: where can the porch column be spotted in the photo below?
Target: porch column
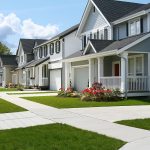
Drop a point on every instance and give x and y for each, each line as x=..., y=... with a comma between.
x=124, y=71
x=148, y=22
x=40, y=75
x=91, y=72
x=67, y=74
x=100, y=68
x=149, y=71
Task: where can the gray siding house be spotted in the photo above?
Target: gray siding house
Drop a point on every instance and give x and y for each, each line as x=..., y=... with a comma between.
x=115, y=48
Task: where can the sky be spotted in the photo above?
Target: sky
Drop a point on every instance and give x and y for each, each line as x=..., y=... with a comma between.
x=38, y=19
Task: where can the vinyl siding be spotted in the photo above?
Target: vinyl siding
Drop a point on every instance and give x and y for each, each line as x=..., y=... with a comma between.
x=94, y=21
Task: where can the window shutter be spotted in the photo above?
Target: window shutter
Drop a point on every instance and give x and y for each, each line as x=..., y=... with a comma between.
x=127, y=29
x=141, y=25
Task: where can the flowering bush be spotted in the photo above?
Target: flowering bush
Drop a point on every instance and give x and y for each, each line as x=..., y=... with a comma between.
x=98, y=93
x=67, y=93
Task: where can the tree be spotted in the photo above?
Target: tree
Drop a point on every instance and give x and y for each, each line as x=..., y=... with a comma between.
x=4, y=50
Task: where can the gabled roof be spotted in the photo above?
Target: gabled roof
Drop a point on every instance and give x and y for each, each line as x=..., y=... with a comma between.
x=143, y=7
x=114, y=10
x=28, y=44
x=66, y=32
x=117, y=45
x=102, y=46
x=8, y=60
x=62, y=34
x=37, y=62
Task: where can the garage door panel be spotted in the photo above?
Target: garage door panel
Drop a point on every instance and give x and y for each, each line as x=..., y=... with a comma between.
x=55, y=80
x=81, y=78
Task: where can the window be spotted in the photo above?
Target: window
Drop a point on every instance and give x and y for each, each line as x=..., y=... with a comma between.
x=136, y=66
x=135, y=27
x=90, y=35
x=84, y=41
x=40, y=52
x=105, y=34
x=57, y=47
x=45, y=50
x=94, y=9
x=98, y=34
x=95, y=35
x=101, y=35
x=35, y=54
x=51, y=48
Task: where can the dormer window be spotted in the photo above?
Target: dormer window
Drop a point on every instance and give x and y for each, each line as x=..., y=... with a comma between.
x=134, y=27
x=45, y=50
x=51, y=48
x=40, y=52
x=57, y=47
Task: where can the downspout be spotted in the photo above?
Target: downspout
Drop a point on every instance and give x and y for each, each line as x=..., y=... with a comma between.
x=126, y=88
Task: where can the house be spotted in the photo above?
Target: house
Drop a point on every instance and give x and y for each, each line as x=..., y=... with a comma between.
x=24, y=56
x=7, y=64
x=46, y=69
x=115, y=48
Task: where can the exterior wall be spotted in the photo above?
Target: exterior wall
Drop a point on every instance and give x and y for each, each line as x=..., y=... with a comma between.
x=7, y=76
x=72, y=44
x=108, y=61
x=94, y=21
x=57, y=56
x=21, y=54
x=120, y=30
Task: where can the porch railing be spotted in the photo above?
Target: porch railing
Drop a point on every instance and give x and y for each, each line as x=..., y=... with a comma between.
x=111, y=82
x=138, y=83
x=44, y=81
x=134, y=84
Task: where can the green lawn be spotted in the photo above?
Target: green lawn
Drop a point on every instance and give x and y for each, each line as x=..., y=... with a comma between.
x=56, y=137
x=60, y=102
x=7, y=89
x=138, y=123
x=6, y=107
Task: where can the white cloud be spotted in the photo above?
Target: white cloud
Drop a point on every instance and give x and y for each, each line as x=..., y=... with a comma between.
x=33, y=30
x=12, y=26
x=9, y=25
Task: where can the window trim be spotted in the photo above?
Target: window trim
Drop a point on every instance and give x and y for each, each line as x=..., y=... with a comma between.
x=51, y=48
x=134, y=57
x=57, y=47
x=134, y=21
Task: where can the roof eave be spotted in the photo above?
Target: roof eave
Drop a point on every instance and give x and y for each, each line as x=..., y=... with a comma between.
x=129, y=17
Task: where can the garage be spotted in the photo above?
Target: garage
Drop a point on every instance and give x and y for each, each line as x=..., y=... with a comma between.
x=81, y=78
x=55, y=79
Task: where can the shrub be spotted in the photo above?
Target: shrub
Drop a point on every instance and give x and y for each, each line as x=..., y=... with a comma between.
x=98, y=93
x=67, y=93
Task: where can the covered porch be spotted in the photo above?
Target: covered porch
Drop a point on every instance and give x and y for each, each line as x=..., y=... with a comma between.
x=128, y=72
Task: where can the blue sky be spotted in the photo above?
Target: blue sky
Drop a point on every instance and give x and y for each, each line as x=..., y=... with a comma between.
x=36, y=18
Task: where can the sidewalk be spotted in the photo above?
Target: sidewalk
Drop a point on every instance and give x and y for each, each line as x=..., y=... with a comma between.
x=127, y=134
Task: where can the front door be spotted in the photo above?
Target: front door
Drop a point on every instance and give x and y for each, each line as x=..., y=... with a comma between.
x=116, y=69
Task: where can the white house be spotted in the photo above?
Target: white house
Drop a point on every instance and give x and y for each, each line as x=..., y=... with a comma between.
x=51, y=71
x=115, y=48
x=24, y=56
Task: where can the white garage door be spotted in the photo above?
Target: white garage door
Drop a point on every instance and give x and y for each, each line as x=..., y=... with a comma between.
x=55, y=80
x=81, y=78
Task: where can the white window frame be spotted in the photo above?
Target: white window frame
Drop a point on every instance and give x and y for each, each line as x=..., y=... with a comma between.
x=134, y=57
x=134, y=22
